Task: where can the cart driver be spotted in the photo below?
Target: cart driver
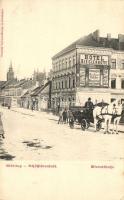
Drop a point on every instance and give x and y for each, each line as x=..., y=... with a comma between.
x=89, y=106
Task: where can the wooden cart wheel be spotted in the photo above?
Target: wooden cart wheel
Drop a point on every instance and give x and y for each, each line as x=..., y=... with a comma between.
x=83, y=124
x=71, y=124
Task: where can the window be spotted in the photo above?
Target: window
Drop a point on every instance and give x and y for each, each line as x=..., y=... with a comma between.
x=113, y=83
x=59, y=85
x=74, y=60
x=122, y=64
x=65, y=83
x=73, y=83
x=69, y=62
x=113, y=66
x=112, y=99
x=56, y=66
x=63, y=64
x=59, y=65
x=122, y=101
x=62, y=84
x=122, y=84
x=66, y=63
x=69, y=85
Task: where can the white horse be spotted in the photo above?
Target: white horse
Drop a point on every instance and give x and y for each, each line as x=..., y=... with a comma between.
x=117, y=113
x=103, y=113
x=107, y=113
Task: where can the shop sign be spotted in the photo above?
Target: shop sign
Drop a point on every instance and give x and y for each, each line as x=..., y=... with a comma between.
x=91, y=59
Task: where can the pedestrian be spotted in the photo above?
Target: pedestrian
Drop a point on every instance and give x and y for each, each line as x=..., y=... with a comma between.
x=68, y=115
x=1, y=126
x=60, y=117
x=64, y=116
x=58, y=107
x=117, y=113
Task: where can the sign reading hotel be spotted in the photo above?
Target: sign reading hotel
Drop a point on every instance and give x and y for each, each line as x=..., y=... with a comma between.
x=92, y=59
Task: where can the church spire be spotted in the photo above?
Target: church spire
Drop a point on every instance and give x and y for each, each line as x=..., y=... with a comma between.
x=10, y=73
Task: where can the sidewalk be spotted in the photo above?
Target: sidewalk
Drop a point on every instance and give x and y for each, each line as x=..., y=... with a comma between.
x=1, y=128
x=29, y=112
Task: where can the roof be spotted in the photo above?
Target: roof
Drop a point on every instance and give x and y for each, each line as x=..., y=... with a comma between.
x=25, y=94
x=2, y=83
x=95, y=41
x=36, y=92
x=7, y=83
x=20, y=83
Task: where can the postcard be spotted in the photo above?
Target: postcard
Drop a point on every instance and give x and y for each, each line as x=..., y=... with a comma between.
x=62, y=99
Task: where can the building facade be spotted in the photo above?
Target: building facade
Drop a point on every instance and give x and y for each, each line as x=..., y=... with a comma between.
x=93, y=66
x=117, y=75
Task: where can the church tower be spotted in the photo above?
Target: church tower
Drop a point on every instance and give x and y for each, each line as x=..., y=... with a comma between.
x=10, y=73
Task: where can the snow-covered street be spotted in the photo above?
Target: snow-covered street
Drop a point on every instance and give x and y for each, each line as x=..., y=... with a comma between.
x=37, y=136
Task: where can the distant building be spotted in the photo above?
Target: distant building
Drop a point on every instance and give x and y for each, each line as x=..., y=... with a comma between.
x=10, y=73
x=39, y=76
x=38, y=98
x=92, y=66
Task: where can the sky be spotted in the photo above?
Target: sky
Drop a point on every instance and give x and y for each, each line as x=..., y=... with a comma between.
x=34, y=31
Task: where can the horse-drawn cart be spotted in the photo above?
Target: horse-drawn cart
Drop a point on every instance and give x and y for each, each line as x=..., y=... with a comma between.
x=83, y=117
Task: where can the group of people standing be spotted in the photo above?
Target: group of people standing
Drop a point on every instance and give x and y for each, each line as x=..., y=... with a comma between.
x=63, y=116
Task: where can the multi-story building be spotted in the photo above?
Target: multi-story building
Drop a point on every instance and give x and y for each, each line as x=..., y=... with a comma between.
x=117, y=75
x=93, y=66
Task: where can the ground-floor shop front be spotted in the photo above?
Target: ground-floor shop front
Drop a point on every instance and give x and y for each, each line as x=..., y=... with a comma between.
x=63, y=99
x=80, y=95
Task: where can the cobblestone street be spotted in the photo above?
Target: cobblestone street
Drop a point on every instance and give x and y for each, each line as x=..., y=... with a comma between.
x=37, y=136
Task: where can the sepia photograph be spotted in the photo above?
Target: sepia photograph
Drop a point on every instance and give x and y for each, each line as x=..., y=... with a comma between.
x=61, y=80
x=61, y=100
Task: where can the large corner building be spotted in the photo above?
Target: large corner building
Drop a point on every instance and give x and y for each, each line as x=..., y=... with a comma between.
x=92, y=66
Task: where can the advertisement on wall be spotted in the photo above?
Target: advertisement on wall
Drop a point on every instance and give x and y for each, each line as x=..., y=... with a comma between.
x=94, y=77
x=82, y=77
x=105, y=77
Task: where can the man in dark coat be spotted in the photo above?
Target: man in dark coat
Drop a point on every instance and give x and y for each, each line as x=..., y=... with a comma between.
x=89, y=106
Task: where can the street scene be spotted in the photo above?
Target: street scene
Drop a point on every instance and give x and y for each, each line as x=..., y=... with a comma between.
x=33, y=135
x=61, y=100
x=73, y=112
x=60, y=103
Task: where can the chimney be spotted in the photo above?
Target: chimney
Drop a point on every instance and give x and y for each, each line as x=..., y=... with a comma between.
x=121, y=38
x=121, y=42
x=108, y=36
x=96, y=35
